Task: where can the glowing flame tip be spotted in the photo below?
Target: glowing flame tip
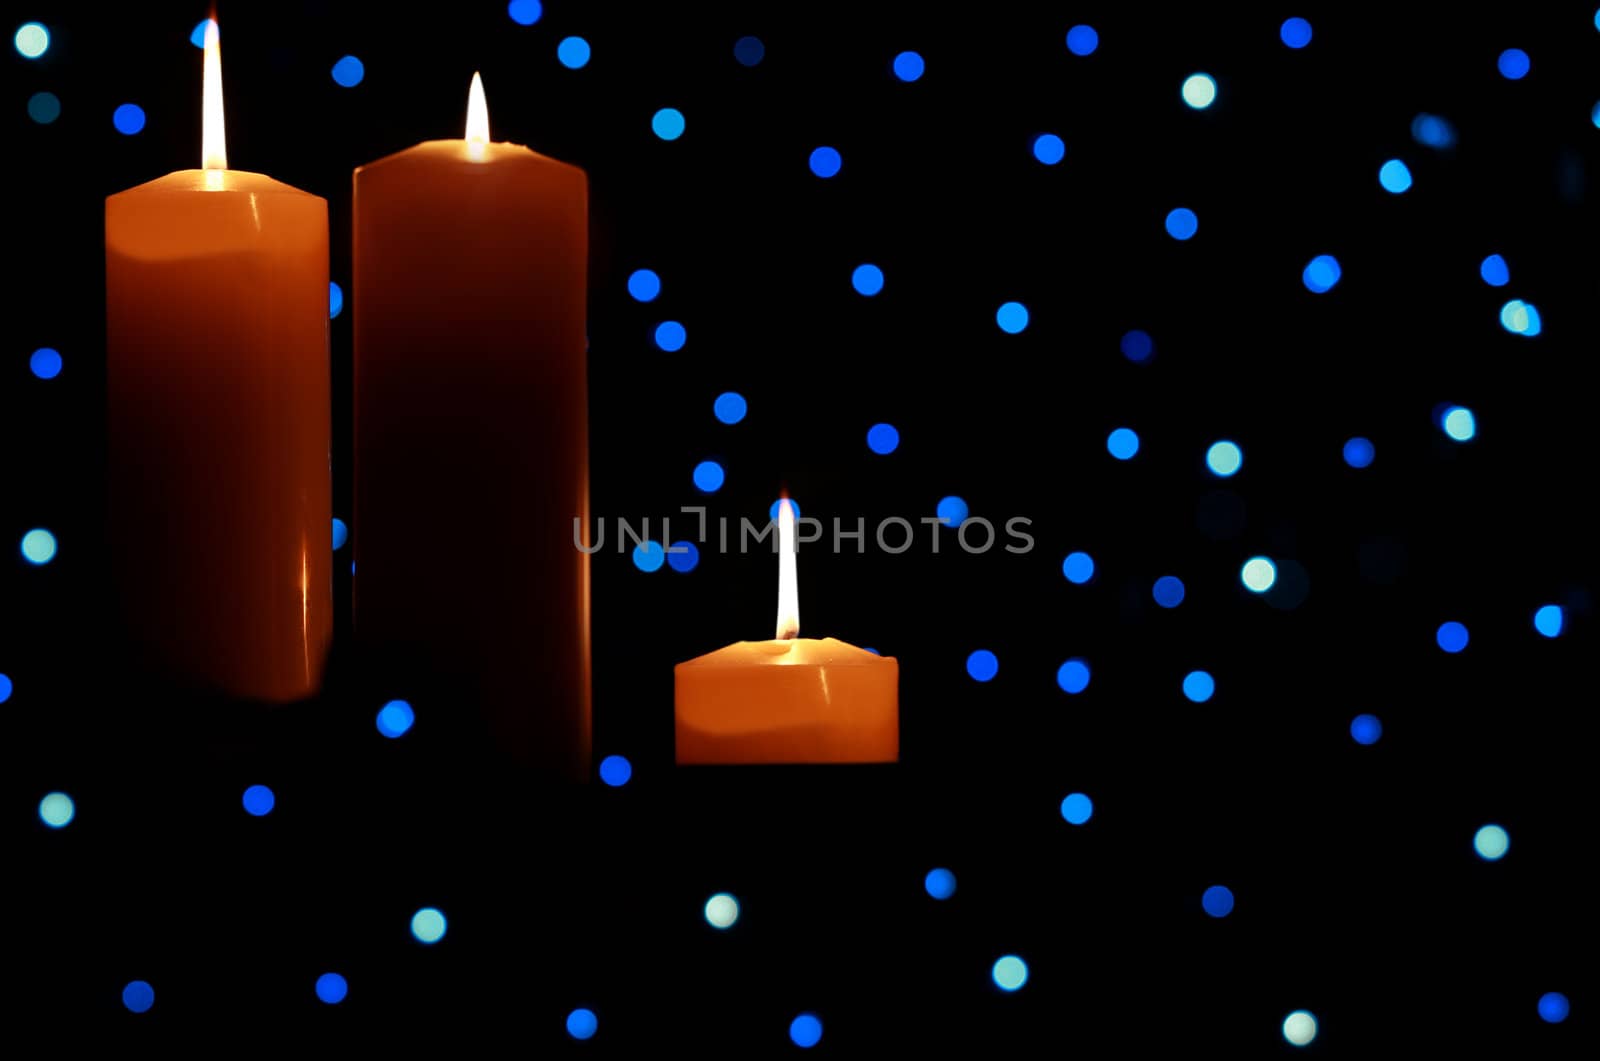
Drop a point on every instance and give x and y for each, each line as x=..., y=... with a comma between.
x=213, y=138
x=788, y=590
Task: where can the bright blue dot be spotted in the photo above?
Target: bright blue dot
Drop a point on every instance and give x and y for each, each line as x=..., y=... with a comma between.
x=1078, y=568
x=395, y=719
x=332, y=988
x=582, y=1024
x=649, y=556
x=341, y=533
x=1491, y=842
x=773, y=511
x=749, y=51
x=1258, y=574
x=428, y=925
x=709, y=476
x=573, y=53
x=1451, y=636
x=683, y=557
x=1073, y=676
x=138, y=996
x=1459, y=423
x=1217, y=900
x=940, y=883
x=1521, y=318
x=1430, y=130
x=57, y=810
x=668, y=123
x=730, y=407
x=1077, y=808
x=1224, y=458
x=1049, y=148
x=951, y=510
x=615, y=770
x=1321, y=273
x=1366, y=729
x=1009, y=973
x=867, y=279
x=1594, y=115
x=44, y=107
x=644, y=285
x=983, y=665
x=1495, y=271
x=1182, y=223
x=1082, y=40
x=335, y=299
x=1548, y=620
x=1012, y=317
x=1359, y=452
x=1122, y=443
x=1553, y=1005
x=198, y=36
x=825, y=162
x=32, y=40
x=882, y=438
x=1198, y=686
x=5, y=687
x=128, y=118
x=908, y=66
x=1168, y=591
x=45, y=363
x=805, y=1031
x=670, y=336
x=1137, y=345
x=525, y=12
x=1295, y=32
x=38, y=546
x=259, y=801
x=1513, y=64
x=1199, y=91
x=1394, y=176
x=348, y=71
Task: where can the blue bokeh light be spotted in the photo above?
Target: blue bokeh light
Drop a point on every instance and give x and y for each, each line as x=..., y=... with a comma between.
x=940, y=883
x=335, y=299
x=952, y=510
x=525, y=12
x=1168, y=591
x=772, y=510
x=909, y=66
x=57, y=810
x=1012, y=317
x=1513, y=64
x=44, y=107
x=1452, y=636
x=709, y=476
x=1137, y=346
x=38, y=546
x=883, y=438
x=683, y=557
x=1491, y=842
x=197, y=36
x=1430, y=130
x=616, y=770
x=1073, y=676
x=1495, y=271
x=983, y=665
x=349, y=71
x=730, y=407
x=1082, y=40
x=1258, y=574
x=341, y=533
x=1521, y=318
x=1009, y=973
x=1594, y=115
x=1077, y=808
x=668, y=123
x=1295, y=32
x=128, y=119
x=428, y=925
x=1366, y=729
x=826, y=162
x=582, y=1024
x=1217, y=901
x=749, y=51
x=1553, y=1005
x=1049, y=148
x=5, y=687
x=1182, y=223
x=395, y=719
x=805, y=1031
x=670, y=336
x=259, y=801
x=1359, y=452
x=1395, y=176
x=649, y=556
x=573, y=52
x=1198, y=686
x=1321, y=274
x=1224, y=459
x=867, y=279
x=31, y=40
x=45, y=363
x=332, y=988
x=1123, y=443
x=138, y=996
x=1078, y=568
x=1459, y=424
x=1548, y=620
x=1199, y=91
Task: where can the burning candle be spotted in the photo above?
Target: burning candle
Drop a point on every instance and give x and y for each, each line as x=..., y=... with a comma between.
x=471, y=430
x=791, y=699
x=218, y=420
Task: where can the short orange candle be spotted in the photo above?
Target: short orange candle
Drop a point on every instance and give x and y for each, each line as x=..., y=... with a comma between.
x=791, y=699
x=218, y=421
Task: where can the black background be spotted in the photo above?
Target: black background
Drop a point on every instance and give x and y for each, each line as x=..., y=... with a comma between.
x=1359, y=896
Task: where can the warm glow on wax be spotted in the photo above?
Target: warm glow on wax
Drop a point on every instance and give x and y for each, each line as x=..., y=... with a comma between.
x=788, y=592
x=477, y=119
x=213, y=141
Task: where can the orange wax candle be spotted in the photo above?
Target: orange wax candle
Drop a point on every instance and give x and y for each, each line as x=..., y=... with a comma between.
x=471, y=430
x=218, y=421
x=791, y=699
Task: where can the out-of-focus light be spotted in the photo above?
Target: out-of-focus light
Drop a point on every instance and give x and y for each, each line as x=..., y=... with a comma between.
x=1395, y=176
x=582, y=1024
x=332, y=988
x=615, y=770
x=1224, y=458
x=128, y=119
x=1049, y=148
x=983, y=665
x=1521, y=318
x=1182, y=223
x=45, y=363
x=1082, y=40
x=952, y=510
x=349, y=71
x=38, y=546
x=1009, y=972
x=335, y=299
x=44, y=107
x=1359, y=452
x=1217, y=901
x=197, y=36
x=1168, y=591
x=1299, y=1028
x=1199, y=686
x=1451, y=636
x=1594, y=115
x=1258, y=574
x=1199, y=91
x=5, y=687
x=1012, y=317
x=57, y=810
x=805, y=1031
x=1073, y=676
x=1495, y=271
x=1513, y=64
x=1491, y=843
x=730, y=407
x=1137, y=346
x=428, y=925
x=1295, y=32
x=749, y=51
x=867, y=279
x=826, y=162
x=722, y=910
x=683, y=557
x=670, y=336
x=1078, y=568
x=395, y=719
x=940, y=883
x=1077, y=808
x=668, y=123
x=649, y=556
x=259, y=801
x=1430, y=130
x=1459, y=423
x=772, y=510
x=644, y=285
x=883, y=438
x=908, y=66
x=1321, y=274
x=1123, y=443
x=573, y=52
x=32, y=40
x=341, y=533
x=1548, y=620
x=1553, y=1005
x=525, y=12
x=709, y=476
x=138, y=996
x=1366, y=729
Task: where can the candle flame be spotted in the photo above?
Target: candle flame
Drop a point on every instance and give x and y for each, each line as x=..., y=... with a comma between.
x=788, y=590
x=477, y=119
x=213, y=140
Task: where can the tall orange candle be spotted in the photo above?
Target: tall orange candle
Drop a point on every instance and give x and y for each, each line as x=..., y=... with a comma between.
x=218, y=418
x=471, y=430
x=791, y=699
